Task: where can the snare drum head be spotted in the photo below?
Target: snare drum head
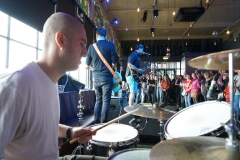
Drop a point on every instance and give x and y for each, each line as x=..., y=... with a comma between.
x=198, y=119
x=115, y=133
x=131, y=154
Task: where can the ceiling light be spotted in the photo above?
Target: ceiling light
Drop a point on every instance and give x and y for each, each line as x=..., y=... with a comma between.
x=144, y=16
x=228, y=32
x=131, y=48
x=137, y=39
x=235, y=40
x=115, y=21
x=207, y=1
x=188, y=34
x=215, y=43
x=186, y=43
x=165, y=57
x=152, y=31
x=138, y=9
x=126, y=29
x=168, y=38
x=215, y=33
x=155, y=13
x=173, y=13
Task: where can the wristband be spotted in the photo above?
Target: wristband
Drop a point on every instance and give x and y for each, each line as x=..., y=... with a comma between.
x=68, y=133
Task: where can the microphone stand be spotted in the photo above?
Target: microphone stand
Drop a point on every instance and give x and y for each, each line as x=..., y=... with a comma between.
x=231, y=143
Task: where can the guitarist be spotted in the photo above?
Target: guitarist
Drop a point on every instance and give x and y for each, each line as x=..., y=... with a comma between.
x=133, y=70
x=102, y=77
x=236, y=103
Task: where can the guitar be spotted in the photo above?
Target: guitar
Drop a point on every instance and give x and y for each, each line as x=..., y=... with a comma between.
x=137, y=76
x=116, y=85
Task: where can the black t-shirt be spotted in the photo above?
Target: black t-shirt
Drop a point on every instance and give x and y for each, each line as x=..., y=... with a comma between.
x=151, y=81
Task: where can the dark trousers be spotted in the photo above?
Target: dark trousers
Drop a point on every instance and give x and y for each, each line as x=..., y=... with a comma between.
x=103, y=90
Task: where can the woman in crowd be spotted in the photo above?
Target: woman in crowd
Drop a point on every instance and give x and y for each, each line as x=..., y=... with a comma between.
x=165, y=87
x=187, y=84
x=159, y=89
x=195, y=88
x=144, y=90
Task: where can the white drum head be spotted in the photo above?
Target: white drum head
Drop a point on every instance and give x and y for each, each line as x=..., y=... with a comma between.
x=115, y=133
x=198, y=119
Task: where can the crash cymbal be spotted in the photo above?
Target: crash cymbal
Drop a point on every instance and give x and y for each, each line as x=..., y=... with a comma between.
x=216, y=61
x=149, y=112
x=194, y=148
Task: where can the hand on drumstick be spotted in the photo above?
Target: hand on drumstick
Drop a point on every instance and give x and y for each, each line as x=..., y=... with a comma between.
x=84, y=134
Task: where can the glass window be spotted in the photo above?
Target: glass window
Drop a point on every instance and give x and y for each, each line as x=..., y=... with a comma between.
x=82, y=71
x=3, y=24
x=39, y=54
x=22, y=32
x=20, y=54
x=3, y=52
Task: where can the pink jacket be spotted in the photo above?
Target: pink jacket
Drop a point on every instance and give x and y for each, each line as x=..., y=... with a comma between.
x=196, y=84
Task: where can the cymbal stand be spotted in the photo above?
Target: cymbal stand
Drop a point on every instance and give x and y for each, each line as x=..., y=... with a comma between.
x=231, y=143
x=161, y=133
x=80, y=122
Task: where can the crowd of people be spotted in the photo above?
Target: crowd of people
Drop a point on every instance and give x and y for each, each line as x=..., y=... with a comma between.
x=188, y=89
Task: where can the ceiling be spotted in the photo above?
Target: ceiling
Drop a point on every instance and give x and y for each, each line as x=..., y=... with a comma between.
x=219, y=16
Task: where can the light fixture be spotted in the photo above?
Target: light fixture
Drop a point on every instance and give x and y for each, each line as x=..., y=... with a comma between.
x=152, y=31
x=138, y=9
x=168, y=38
x=131, y=48
x=215, y=43
x=144, y=16
x=155, y=13
x=165, y=57
x=137, y=39
x=188, y=34
x=186, y=43
x=215, y=33
x=228, y=32
x=235, y=39
x=190, y=24
x=126, y=29
x=173, y=13
x=107, y=0
x=115, y=20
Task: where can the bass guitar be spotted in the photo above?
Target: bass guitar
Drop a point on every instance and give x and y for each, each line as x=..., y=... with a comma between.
x=137, y=76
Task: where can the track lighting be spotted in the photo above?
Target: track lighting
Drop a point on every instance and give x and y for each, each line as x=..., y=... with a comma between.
x=152, y=31
x=155, y=13
x=144, y=16
x=115, y=21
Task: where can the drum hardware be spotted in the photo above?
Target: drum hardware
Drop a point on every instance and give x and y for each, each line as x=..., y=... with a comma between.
x=161, y=133
x=131, y=154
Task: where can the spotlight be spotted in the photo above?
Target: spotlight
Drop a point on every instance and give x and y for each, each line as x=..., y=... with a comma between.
x=215, y=33
x=152, y=31
x=115, y=21
x=144, y=16
x=155, y=13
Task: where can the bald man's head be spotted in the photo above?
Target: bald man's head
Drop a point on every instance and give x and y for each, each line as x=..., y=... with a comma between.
x=58, y=22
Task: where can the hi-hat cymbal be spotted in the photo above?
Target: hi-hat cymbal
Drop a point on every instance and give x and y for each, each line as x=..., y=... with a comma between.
x=194, y=148
x=216, y=61
x=149, y=112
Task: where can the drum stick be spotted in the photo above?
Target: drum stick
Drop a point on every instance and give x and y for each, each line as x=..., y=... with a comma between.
x=108, y=123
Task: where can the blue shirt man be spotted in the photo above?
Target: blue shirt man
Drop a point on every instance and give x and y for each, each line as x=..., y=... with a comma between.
x=134, y=66
x=102, y=77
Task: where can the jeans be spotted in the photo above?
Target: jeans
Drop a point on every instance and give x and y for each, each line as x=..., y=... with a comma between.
x=236, y=104
x=138, y=96
x=159, y=94
x=103, y=90
x=187, y=99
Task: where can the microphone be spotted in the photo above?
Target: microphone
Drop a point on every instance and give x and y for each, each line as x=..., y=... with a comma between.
x=144, y=53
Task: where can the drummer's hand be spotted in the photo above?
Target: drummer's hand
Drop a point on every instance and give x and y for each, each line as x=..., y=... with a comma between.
x=84, y=134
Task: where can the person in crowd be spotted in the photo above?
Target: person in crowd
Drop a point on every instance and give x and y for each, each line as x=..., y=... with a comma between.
x=102, y=77
x=151, y=88
x=195, y=88
x=133, y=71
x=187, y=86
x=29, y=101
x=159, y=89
x=182, y=97
x=125, y=90
x=236, y=104
x=144, y=90
x=178, y=89
x=207, y=84
x=165, y=87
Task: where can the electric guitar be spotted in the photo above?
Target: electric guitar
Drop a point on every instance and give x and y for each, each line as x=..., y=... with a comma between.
x=137, y=76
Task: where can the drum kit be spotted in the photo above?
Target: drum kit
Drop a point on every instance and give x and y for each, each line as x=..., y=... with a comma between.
x=204, y=131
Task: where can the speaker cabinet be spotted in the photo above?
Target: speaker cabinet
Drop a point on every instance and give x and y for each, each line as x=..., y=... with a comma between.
x=115, y=106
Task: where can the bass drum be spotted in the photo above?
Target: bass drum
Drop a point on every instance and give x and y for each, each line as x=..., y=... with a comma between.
x=112, y=138
x=131, y=154
x=202, y=119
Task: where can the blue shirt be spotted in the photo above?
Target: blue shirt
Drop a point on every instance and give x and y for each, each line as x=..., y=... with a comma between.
x=108, y=51
x=135, y=60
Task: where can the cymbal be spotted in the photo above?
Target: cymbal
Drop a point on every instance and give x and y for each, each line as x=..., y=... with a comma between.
x=194, y=148
x=216, y=61
x=149, y=112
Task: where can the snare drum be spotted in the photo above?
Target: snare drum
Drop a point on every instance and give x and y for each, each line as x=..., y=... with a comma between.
x=112, y=138
x=202, y=119
x=131, y=154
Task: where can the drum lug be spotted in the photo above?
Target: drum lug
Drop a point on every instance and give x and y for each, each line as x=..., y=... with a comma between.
x=89, y=148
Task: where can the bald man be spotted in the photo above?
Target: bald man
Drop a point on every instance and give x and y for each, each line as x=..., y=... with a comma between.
x=29, y=104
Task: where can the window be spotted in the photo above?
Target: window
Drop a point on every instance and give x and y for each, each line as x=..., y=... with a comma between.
x=3, y=24
x=20, y=54
x=23, y=33
x=3, y=52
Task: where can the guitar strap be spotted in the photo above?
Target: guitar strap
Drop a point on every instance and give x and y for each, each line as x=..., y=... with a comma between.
x=106, y=63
